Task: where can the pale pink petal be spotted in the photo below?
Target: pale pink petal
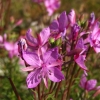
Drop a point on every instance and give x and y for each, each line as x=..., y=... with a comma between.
x=30, y=68
x=9, y=46
x=1, y=39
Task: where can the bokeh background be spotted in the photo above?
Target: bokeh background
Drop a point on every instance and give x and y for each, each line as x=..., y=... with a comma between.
x=16, y=16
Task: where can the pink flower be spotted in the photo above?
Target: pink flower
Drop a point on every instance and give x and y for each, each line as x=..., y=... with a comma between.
x=51, y=5
x=79, y=53
x=41, y=39
x=88, y=84
x=94, y=37
x=72, y=17
x=58, y=27
x=80, y=57
x=12, y=48
x=42, y=66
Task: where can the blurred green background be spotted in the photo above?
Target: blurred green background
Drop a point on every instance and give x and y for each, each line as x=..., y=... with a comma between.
x=35, y=16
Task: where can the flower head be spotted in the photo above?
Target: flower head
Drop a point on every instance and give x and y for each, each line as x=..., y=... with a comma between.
x=43, y=66
x=59, y=26
x=80, y=57
x=41, y=39
x=87, y=84
x=94, y=37
x=51, y=5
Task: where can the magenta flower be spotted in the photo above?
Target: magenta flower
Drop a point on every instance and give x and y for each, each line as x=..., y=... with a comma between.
x=12, y=48
x=79, y=53
x=88, y=84
x=60, y=25
x=94, y=38
x=79, y=57
x=51, y=6
x=42, y=38
x=43, y=66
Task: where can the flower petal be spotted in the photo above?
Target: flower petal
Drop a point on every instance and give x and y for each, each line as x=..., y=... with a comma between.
x=44, y=35
x=80, y=61
x=30, y=68
x=80, y=44
x=1, y=39
x=31, y=59
x=9, y=46
x=54, y=27
x=63, y=21
x=72, y=17
x=45, y=79
x=51, y=55
x=91, y=84
x=83, y=81
x=34, y=78
x=57, y=63
x=55, y=74
x=30, y=39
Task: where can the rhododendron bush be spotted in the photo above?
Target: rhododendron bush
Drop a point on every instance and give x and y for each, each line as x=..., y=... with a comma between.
x=55, y=60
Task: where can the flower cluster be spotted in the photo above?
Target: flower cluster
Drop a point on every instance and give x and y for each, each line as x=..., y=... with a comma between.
x=45, y=55
x=88, y=84
x=42, y=61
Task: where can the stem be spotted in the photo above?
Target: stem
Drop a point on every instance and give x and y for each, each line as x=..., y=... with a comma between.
x=45, y=95
x=85, y=94
x=39, y=96
x=34, y=94
x=70, y=83
x=64, y=94
x=14, y=89
x=51, y=85
x=57, y=90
